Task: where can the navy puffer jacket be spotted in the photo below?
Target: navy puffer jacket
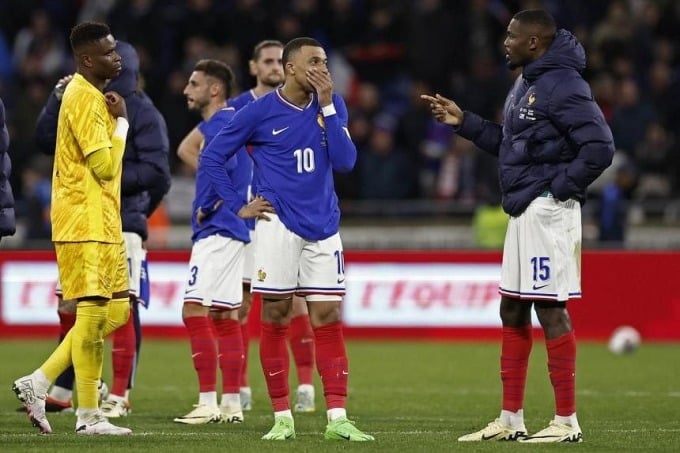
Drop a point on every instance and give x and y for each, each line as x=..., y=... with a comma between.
x=146, y=170
x=7, y=218
x=554, y=136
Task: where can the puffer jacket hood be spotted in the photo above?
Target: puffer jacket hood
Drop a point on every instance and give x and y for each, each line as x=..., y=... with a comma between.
x=565, y=52
x=126, y=82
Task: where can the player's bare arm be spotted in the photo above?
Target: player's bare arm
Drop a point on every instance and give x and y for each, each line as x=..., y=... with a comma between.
x=256, y=209
x=321, y=80
x=444, y=110
x=190, y=148
x=116, y=104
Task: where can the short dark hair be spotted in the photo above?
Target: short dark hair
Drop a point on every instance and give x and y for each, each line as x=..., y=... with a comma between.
x=87, y=32
x=294, y=45
x=264, y=45
x=538, y=17
x=220, y=71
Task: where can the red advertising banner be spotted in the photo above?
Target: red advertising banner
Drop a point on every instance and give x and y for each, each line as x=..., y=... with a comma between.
x=391, y=294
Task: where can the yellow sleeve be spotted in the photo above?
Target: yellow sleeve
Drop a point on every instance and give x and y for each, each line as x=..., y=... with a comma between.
x=106, y=162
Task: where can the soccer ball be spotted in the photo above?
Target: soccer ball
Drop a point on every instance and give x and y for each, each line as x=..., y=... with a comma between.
x=624, y=340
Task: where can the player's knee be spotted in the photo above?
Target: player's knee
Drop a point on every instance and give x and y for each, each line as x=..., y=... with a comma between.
x=276, y=310
x=324, y=312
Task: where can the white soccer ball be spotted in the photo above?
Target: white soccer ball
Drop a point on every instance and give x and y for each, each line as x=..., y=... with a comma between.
x=624, y=340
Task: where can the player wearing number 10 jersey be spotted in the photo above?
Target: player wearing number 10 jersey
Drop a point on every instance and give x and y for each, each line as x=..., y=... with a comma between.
x=298, y=136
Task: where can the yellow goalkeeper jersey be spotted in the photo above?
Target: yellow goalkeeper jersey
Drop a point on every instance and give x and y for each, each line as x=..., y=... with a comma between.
x=84, y=208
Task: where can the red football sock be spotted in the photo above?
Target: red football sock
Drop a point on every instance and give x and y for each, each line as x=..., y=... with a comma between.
x=203, y=351
x=230, y=346
x=66, y=321
x=123, y=352
x=332, y=363
x=275, y=364
x=302, y=344
x=515, y=350
x=245, y=338
x=562, y=369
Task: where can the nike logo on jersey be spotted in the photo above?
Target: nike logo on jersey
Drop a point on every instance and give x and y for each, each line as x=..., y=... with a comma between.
x=278, y=131
x=538, y=287
x=340, y=280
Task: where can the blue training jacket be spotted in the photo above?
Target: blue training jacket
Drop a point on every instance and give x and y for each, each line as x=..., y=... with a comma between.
x=146, y=170
x=554, y=136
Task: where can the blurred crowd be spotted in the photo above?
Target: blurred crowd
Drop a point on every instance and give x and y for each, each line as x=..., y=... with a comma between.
x=383, y=54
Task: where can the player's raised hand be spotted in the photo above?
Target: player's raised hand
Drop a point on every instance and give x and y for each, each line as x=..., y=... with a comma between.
x=321, y=81
x=116, y=104
x=60, y=87
x=256, y=209
x=444, y=110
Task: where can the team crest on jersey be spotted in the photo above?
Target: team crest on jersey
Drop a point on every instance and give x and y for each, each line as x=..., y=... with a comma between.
x=322, y=124
x=532, y=98
x=261, y=275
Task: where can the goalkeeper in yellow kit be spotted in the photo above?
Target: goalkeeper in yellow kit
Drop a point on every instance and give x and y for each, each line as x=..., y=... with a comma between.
x=86, y=228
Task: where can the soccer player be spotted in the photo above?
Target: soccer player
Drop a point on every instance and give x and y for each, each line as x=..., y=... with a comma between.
x=145, y=180
x=265, y=65
x=86, y=228
x=214, y=288
x=7, y=218
x=298, y=136
x=553, y=143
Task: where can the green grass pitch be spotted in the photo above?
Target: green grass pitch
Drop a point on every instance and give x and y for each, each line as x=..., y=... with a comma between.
x=412, y=396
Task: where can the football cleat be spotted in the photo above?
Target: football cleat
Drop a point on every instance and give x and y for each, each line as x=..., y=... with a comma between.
x=230, y=415
x=283, y=429
x=28, y=392
x=496, y=430
x=556, y=432
x=201, y=415
x=305, y=399
x=115, y=408
x=98, y=425
x=343, y=429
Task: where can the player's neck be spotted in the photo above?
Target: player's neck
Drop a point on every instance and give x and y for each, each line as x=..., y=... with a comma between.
x=98, y=83
x=262, y=89
x=211, y=108
x=296, y=95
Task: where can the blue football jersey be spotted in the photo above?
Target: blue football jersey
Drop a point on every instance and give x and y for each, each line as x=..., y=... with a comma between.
x=295, y=151
x=221, y=220
x=243, y=99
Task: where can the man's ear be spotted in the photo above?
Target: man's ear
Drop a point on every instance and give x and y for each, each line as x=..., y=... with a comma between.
x=85, y=60
x=533, y=42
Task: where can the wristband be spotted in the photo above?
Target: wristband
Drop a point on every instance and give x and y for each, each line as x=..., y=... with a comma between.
x=328, y=110
x=122, y=127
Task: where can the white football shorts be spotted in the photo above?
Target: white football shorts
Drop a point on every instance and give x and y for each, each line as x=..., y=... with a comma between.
x=542, y=252
x=285, y=263
x=215, y=271
x=135, y=255
x=248, y=259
